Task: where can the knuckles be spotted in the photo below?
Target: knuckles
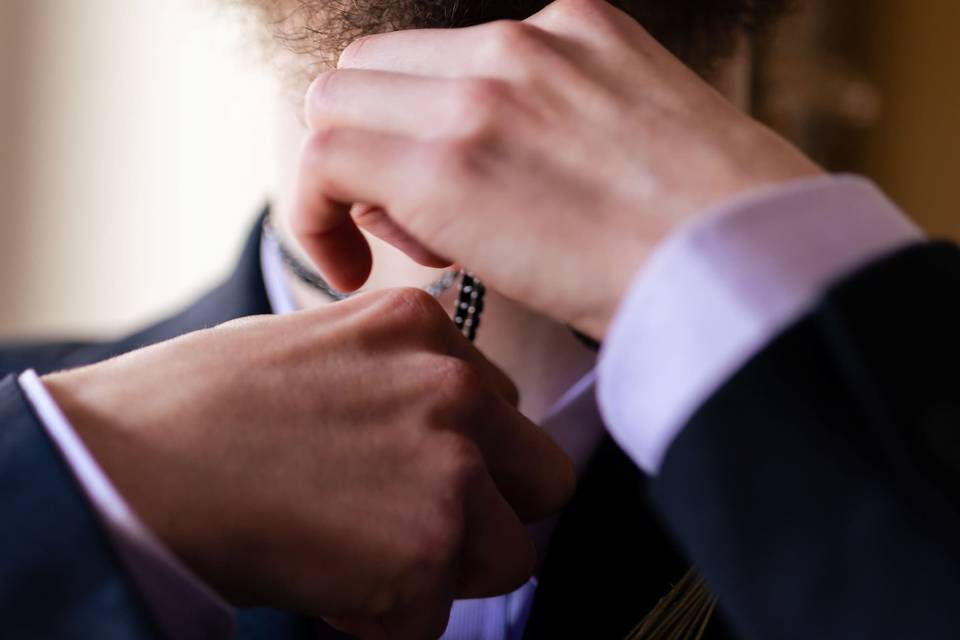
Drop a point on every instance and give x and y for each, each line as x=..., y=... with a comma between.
x=318, y=93
x=460, y=466
x=459, y=386
x=478, y=103
x=511, y=41
x=580, y=9
x=434, y=539
x=465, y=462
x=318, y=146
x=315, y=153
x=598, y=20
x=457, y=159
x=351, y=54
x=413, y=308
x=434, y=546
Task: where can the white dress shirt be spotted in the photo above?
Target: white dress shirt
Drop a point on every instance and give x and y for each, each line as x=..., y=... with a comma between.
x=708, y=299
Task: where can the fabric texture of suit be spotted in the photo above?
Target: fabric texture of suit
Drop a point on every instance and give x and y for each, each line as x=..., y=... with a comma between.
x=60, y=576
x=814, y=490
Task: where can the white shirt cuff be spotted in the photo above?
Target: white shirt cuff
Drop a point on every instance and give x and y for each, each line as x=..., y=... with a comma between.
x=721, y=288
x=182, y=604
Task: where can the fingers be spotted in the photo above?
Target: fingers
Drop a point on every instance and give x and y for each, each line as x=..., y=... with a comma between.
x=458, y=346
x=531, y=472
x=376, y=221
x=339, y=167
x=504, y=48
x=497, y=556
x=348, y=158
x=494, y=49
x=580, y=19
x=324, y=228
x=415, y=51
x=498, y=553
x=379, y=100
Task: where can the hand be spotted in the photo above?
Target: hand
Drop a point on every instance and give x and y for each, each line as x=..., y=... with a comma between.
x=550, y=156
x=361, y=462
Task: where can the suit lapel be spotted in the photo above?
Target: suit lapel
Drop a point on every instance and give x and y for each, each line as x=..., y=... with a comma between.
x=608, y=561
x=241, y=294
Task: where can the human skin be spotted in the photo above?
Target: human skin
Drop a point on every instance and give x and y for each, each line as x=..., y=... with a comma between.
x=492, y=163
x=573, y=133
x=542, y=356
x=538, y=351
x=362, y=460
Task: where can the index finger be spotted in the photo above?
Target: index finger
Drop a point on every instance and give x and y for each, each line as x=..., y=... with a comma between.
x=324, y=228
x=339, y=168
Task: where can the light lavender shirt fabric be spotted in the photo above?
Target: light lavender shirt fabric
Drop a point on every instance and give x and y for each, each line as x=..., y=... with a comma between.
x=181, y=603
x=708, y=299
x=718, y=290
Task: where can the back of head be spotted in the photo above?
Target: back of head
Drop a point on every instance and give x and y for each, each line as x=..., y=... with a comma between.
x=700, y=32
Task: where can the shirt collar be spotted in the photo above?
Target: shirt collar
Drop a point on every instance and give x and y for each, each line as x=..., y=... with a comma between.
x=278, y=293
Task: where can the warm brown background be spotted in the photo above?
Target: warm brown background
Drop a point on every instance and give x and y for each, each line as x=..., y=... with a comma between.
x=914, y=152
x=134, y=140
x=872, y=86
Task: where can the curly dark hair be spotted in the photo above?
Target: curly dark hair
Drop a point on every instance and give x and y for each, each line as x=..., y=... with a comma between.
x=700, y=32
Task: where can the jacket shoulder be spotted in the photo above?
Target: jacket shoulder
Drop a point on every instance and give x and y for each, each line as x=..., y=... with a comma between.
x=61, y=576
x=45, y=357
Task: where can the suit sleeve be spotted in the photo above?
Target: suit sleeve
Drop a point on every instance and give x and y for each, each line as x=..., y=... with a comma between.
x=60, y=575
x=818, y=488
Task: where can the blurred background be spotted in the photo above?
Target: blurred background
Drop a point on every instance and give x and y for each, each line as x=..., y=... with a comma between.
x=135, y=140
x=136, y=152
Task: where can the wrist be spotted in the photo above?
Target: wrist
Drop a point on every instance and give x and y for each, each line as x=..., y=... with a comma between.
x=101, y=407
x=86, y=403
x=148, y=430
x=642, y=237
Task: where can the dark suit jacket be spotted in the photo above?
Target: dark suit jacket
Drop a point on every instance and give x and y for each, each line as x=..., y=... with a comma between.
x=818, y=490
x=768, y=488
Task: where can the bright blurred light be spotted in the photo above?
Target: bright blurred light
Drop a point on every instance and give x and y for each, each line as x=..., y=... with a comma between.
x=141, y=153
